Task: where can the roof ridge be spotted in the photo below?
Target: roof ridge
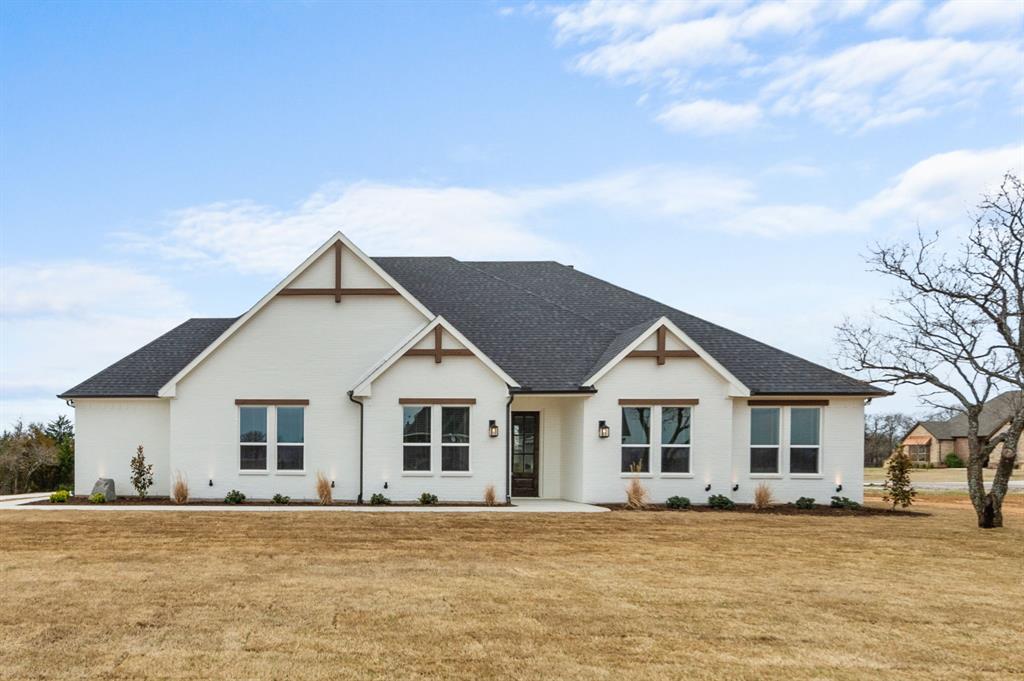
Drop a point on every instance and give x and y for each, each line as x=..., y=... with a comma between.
x=537, y=295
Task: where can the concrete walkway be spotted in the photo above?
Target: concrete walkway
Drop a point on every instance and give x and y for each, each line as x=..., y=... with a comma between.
x=520, y=506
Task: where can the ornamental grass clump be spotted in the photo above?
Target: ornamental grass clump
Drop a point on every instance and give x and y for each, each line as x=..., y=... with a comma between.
x=179, y=489
x=636, y=495
x=490, y=496
x=763, y=496
x=323, y=489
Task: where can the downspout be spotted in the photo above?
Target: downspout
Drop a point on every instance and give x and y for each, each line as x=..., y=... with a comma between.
x=508, y=447
x=359, y=499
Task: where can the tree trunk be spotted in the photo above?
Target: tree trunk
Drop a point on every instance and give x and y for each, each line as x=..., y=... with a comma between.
x=991, y=513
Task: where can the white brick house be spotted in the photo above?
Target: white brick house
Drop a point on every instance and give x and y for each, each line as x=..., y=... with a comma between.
x=405, y=375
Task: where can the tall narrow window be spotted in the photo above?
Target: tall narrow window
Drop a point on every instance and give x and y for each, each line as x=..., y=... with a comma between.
x=252, y=438
x=804, y=439
x=636, y=439
x=290, y=438
x=675, y=439
x=764, y=440
x=454, y=439
x=416, y=438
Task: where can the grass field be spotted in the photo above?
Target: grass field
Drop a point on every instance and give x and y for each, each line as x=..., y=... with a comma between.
x=136, y=595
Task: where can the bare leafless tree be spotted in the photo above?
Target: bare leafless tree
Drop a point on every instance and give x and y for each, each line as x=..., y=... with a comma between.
x=954, y=325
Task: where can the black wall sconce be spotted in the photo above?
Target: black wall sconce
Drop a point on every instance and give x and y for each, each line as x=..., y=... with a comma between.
x=332, y=484
x=211, y=482
x=492, y=428
x=385, y=484
x=603, y=430
x=735, y=486
x=839, y=488
x=707, y=487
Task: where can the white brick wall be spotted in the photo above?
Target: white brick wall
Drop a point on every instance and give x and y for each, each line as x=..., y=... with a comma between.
x=107, y=431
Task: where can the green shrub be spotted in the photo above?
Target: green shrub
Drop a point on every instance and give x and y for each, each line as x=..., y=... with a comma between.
x=281, y=499
x=677, y=502
x=142, y=473
x=98, y=498
x=427, y=498
x=59, y=497
x=897, y=488
x=721, y=502
x=843, y=502
x=953, y=461
x=805, y=503
x=234, y=497
x=379, y=499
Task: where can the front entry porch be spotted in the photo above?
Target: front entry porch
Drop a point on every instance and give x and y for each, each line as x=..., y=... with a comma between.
x=546, y=447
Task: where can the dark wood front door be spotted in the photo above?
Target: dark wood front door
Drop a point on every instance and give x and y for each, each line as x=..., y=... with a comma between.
x=525, y=453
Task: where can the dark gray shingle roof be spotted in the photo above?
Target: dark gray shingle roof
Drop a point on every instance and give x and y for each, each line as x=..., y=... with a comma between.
x=993, y=415
x=547, y=325
x=145, y=371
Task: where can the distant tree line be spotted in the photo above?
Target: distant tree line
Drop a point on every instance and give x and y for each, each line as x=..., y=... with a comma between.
x=882, y=434
x=37, y=457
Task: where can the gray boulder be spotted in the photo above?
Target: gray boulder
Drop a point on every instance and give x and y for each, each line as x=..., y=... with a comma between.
x=106, y=486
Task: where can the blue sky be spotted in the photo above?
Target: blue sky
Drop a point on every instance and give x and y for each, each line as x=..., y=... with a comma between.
x=161, y=161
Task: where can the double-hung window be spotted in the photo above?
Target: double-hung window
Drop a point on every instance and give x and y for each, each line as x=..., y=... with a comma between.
x=636, y=439
x=765, y=439
x=454, y=439
x=675, y=439
x=252, y=438
x=290, y=438
x=416, y=439
x=804, y=440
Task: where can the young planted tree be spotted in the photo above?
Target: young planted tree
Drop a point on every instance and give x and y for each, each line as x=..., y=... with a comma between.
x=898, y=490
x=954, y=327
x=142, y=473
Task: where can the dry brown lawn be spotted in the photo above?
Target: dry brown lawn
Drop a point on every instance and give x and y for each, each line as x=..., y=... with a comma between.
x=137, y=595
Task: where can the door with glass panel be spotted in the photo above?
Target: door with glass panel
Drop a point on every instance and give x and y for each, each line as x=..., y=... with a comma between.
x=525, y=453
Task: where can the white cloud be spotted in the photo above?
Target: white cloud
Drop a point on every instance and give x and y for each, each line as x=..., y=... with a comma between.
x=890, y=81
x=896, y=15
x=961, y=16
x=614, y=19
x=63, y=321
x=710, y=117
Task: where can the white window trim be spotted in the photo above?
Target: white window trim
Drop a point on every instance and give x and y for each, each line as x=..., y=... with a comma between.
x=468, y=445
x=785, y=444
x=290, y=471
x=271, y=442
x=821, y=436
x=649, y=473
x=266, y=443
x=689, y=447
x=429, y=445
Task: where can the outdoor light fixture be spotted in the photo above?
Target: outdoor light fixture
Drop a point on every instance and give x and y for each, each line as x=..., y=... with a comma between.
x=707, y=487
x=735, y=486
x=332, y=484
x=602, y=429
x=492, y=428
x=385, y=484
x=211, y=482
x=839, y=488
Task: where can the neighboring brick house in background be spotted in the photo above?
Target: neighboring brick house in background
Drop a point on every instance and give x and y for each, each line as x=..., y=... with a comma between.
x=932, y=441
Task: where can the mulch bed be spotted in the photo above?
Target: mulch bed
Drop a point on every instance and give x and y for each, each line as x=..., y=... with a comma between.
x=166, y=501
x=782, y=509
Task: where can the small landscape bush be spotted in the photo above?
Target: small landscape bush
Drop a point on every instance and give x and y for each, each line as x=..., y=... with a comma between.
x=843, y=502
x=953, y=461
x=234, y=497
x=98, y=498
x=323, y=489
x=142, y=473
x=179, y=489
x=636, y=495
x=281, y=499
x=897, y=488
x=677, y=502
x=379, y=499
x=59, y=497
x=427, y=498
x=490, y=496
x=805, y=503
x=722, y=502
x=763, y=496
